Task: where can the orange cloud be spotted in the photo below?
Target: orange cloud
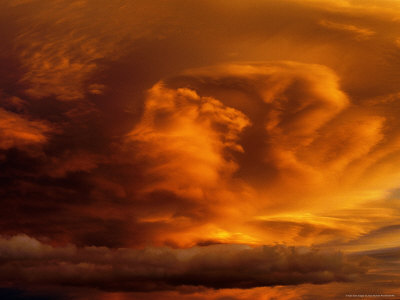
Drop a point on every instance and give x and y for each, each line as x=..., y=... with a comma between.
x=359, y=32
x=296, y=139
x=291, y=136
x=184, y=136
x=59, y=61
x=288, y=103
x=19, y=132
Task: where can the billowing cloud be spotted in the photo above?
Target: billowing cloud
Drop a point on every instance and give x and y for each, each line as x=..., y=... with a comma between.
x=287, y=103
x=298, y=137
x=185, y=136
x=307, y=134
x=290, y=105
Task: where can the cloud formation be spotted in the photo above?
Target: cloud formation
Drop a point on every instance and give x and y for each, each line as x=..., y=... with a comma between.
x=26, y=260
x=185, y=136
x=303, y=139
x=134, y=124
x=298, y=113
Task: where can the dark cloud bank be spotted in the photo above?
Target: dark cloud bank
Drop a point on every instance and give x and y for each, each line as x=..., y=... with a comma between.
x=26, y=261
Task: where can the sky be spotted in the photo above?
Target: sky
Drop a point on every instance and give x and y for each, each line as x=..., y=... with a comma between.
x=190, y=150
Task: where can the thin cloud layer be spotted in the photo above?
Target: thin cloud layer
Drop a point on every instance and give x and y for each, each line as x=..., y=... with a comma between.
x=360, y=33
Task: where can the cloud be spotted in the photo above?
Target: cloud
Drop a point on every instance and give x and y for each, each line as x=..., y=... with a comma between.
x=216, y=150
x=26, y=260
x=185, y=136
x=288, y=103
x=387, y=254
x=72, y=162
x=301, y=138
x=203, y=132
x=382, y=237
x=60, y=44
x=292, y=231
x=17, y=131
x=359, y=32
x=152, y=148
x=304, y=133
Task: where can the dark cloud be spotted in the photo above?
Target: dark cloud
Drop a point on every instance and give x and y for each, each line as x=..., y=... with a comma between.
x=26, y=260
x=387, y=254
x=17, y=294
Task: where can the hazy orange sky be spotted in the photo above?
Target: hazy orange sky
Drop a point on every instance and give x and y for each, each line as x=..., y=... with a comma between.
x=218, y=150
